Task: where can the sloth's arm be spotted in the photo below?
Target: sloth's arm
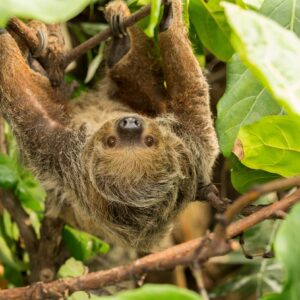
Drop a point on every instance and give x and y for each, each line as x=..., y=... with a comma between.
x=187, y=88
x=133, y=64
x=186, y=84
x=31, y=107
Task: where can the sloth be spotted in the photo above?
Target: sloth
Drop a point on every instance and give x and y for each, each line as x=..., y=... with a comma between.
x=124, y=159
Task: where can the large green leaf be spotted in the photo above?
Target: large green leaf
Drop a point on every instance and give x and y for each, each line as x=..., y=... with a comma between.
x=245, y=101
x=243, y=178
x=284, y=12
x=82, y=245
x=271, y=144
x=210, y=23
x=287, y=250
x=50, y=11
x=147, y=292
x=270, y=51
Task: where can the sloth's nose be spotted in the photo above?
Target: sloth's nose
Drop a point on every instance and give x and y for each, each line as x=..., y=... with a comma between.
x=130, y=126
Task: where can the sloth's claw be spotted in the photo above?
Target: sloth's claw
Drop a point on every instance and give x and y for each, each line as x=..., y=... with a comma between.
x=167, y=16
x=2, y=30
x=43, y=42
x=117, y=26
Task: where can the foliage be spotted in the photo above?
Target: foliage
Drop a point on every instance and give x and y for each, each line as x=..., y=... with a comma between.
x=257, y=124
x=287, y=248
x=49, y=11
x=147, y=292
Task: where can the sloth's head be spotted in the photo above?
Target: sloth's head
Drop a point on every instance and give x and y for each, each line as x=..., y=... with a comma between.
x=140, y=169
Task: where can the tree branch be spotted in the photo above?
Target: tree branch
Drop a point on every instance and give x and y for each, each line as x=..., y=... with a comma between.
x=76, y=52
x=200, y=249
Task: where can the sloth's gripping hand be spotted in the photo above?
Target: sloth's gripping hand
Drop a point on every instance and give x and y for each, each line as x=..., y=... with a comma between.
x=29, y=103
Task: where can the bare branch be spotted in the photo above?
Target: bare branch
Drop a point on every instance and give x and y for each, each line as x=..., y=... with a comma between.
x=182, y=254
x=76, y=52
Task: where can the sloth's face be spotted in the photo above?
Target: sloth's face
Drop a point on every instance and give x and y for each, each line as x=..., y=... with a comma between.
x=131, y=147
x=137, y=166
x=134, y=152
x=131, y=133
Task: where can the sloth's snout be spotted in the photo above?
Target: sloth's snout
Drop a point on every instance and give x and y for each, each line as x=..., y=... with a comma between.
x=130, y=127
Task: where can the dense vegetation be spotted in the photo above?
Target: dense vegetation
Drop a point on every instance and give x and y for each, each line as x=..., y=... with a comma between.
x=257, y=123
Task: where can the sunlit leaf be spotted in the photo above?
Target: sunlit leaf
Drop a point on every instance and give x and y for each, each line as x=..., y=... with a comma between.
x=255, y=4
x=244, y=102
x=49, y=11
x=71, y=268
x=270, y=51
x=154, y=17
x=284, y=12
x=271, y=144
x=82, y=245
x=210, y=24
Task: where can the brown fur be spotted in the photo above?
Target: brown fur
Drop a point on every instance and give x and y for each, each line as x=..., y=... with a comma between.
x=130, y=193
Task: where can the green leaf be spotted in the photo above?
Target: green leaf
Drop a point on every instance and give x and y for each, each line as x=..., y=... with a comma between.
x=30, y=192
x=49, y=11
x=94, y=64
x=13, y=276
x=287, y=249
x=92, y=28
x=270, y=51
x=8, y=172
x=82, y=245
x=243, y=178
x=71, y=268
x=153, y=291
x=210, y=23
x=10, y=227
x=80, y=296
x=185, y=12
x=154, y=17
x=244, y=102
x=7, y=256
x=254, y=4
x=284, y=12
x=271, y=144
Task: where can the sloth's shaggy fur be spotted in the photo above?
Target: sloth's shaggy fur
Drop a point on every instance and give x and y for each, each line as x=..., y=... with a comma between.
x=129, y=193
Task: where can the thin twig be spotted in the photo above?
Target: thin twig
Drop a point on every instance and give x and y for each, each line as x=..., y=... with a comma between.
x=182, y=254
x=76, y=52
x=251, y=196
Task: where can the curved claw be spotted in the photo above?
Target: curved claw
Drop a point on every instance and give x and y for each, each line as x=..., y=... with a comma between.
x=43, y=42
x=117, y=26
x=167, y=16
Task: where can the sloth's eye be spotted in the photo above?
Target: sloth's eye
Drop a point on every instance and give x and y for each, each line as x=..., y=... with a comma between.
x=111, y=142
x=149, y=141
